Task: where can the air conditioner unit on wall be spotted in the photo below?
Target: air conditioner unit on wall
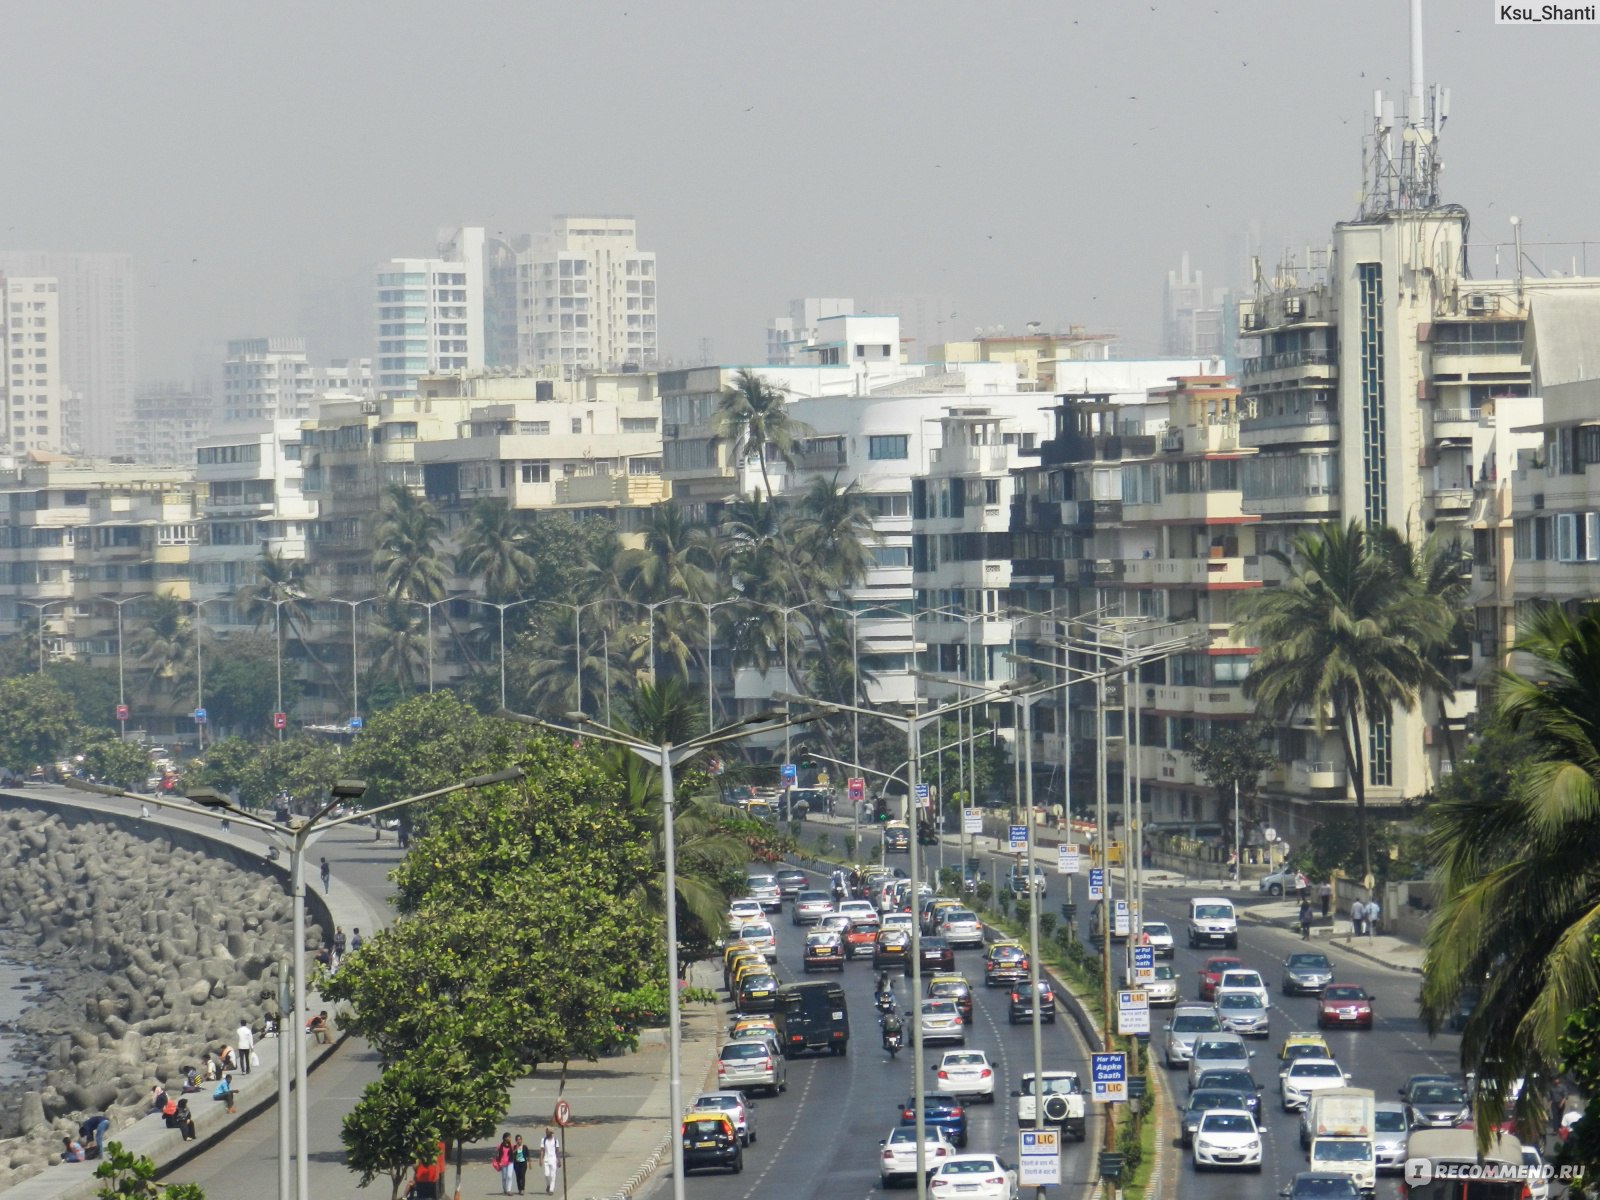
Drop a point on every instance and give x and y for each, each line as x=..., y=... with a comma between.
x=1477, y=304
x=1294, y=306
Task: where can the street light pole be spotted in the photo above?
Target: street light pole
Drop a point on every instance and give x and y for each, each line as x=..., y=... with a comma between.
x=122, y=699
x=355, y=658
x=41, y=606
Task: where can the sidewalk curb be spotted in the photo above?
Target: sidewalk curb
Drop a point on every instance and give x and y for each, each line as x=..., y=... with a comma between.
x=1329, y=938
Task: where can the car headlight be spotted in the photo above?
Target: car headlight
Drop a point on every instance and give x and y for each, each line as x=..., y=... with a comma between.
x=1464, y=1114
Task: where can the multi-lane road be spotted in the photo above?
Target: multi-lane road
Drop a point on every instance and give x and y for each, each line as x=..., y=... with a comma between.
x=821, y=1137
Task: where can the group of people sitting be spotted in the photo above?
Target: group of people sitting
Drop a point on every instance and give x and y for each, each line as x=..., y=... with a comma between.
x=90, y=1142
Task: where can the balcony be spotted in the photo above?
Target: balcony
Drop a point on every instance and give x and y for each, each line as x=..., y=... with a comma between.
x=1289, y=429
x=1450, y=499
x=1290, y=360
x=1307, y=776
x=620, y=491
x=1456, y=424
x=1214, y=438
x=1194, y=572
x=955, y=460
x=1100, y=570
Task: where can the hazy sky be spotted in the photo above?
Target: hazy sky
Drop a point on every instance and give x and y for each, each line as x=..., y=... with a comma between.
x=1046, y=162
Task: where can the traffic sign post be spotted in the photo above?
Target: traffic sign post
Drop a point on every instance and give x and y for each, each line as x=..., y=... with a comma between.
x=972, y=820
x=789, y=774
x=122, y=712
x=1144, y=964
x=1119, y=919
x=563, y=1113
x=1066, y=859
x=1019, y=839
x=1110, y=1075
x=857, y=789
x=280, y=720
x=922, y=796
x=1039, y=1158
x=1133, y=1013
x=1097, y=883
x=355, y=724
x=199, y=716
x=563, y=1118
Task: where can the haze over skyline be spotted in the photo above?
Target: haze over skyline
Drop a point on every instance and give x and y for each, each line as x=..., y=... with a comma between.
x=1049, y=163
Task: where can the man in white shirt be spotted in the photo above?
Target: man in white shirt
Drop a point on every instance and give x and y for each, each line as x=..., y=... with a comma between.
x=245, y=1040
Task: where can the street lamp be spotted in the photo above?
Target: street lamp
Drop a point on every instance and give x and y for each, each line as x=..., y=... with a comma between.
x=199, y=667
x=41, y=605
x=912, y=724
x=501, y=609
x=664, y=756
x=710, y=607
x=429, y=605
x=355, y=659
x=577, y=650
x=854, y=613
x=122, y=700
x=296, y=840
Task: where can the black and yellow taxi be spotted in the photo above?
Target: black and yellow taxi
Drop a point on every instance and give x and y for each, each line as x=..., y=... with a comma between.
x=1003, y=963
x=952, y=987
x=710, y=1140
x=757, y=992
x=734, y=962
x=824, y=951
x=892, y=948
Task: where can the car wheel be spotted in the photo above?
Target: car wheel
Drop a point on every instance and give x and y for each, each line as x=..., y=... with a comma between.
x=752, y=1140
x=738, y=1164
x=1275, y=890
x=886, y=1182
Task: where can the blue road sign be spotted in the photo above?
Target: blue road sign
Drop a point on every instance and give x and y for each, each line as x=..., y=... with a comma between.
x=355, y=722
x=1097, y=883
x=789, y=773
x=199, y=716
x=1144, y=962
x=922, y=791
x=1110, y=1075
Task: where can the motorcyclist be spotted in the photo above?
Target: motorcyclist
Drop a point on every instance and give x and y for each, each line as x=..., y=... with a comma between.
x=893, y=1029
x=885, y=988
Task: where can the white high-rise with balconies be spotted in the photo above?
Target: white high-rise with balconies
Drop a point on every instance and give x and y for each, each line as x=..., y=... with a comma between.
x=430, y=313
x=31, y=391
x=586, y=299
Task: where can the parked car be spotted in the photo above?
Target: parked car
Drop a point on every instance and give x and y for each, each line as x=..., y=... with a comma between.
x=1277, y=883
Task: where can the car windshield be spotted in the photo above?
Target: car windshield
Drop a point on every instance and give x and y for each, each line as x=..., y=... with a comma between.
x=1221, y=1050
x=761, y=881
x=1241, y=979
x=1389, y=1121
x=803, y=897
x=1344, y=993
x=1324, y=1189
x=760, y=981
x=705, y=1127
x=1238, y=1081
x=1007, y=953
x=1435, y=1093
x=958, y=914
x=1240, y=1000
x=1061, y=1085
x=1227, y=1123
x=948, y=989
x=755, y=929
x=936, y=1008
x=1157, y=929
x=823, y=939
x=1311, y=1068
x=1213, y=912
x=1216, y=966
x=1214, y=1098
x=1343, y=1149
x=866, y=928
x=1290, y=1053
x=1164, y=972
x=971, y=1166
x=1195, y=1024
x=967, y=1059
x=751, y=1049
x=1309, y=962
x=908, y=1133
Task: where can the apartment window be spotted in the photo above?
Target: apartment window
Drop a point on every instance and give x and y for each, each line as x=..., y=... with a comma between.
x=1374, y=411
x=891, y=556
x=577, y=424
x=536, y=472
x=638, y=424
x=886, y=447
x=644, y=466
x=534, y=428
x=897, y=504
x=991, y=491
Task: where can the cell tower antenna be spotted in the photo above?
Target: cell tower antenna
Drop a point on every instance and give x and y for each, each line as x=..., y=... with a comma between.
x=1407, y=180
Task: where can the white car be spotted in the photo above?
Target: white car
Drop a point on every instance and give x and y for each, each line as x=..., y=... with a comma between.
x=967, y=1073
x=897, y=1155
x=1158, y=936
x=941, y=1022
x=758, y=936
x=897, y=920
x=973, y=1177
x=961, y=927
x=1227, y=1137
x=1240, y=1011
x=1537, y=1183
x=1307, y=1075
x=737, y=1108
x=1163, y=989
x=810, y=907
x=1243, y=981
x=741, y=911
x=857, y=910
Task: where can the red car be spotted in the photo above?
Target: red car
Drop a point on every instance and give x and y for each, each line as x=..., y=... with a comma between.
x=1344, y=1004
x=1211, y=973
x=860, y=939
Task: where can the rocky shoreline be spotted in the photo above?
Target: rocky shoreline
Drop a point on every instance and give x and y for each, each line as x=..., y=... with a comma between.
x=144, y=955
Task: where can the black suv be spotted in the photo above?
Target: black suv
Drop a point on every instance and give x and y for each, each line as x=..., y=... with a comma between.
x=710, y=1140
x=936, y=955
x=1022, y=1008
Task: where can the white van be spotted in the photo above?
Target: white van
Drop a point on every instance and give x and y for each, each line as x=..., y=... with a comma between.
x=1212, y=922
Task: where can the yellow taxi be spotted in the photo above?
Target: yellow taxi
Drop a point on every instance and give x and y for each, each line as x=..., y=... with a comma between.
x=746, y=967
x=731, y=969
x=1302, y=1045
x=748, y=1024
x=710, y=1140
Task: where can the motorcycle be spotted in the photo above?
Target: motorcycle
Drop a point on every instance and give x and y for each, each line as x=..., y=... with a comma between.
x=892, y=1042
x=885, y=1002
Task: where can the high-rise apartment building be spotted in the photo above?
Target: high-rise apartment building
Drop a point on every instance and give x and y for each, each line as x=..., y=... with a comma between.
x=166, y=424
x=430, y=313
x=98, y=309
x=789, y=336
x=31, y=389
x=1191, y=316
x=586, y=299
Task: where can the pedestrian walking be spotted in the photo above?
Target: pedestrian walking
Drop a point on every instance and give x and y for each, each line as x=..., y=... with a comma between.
x=550, y=1159
x=519, y=1163
x=226, y=827
x=245, y=1040
x=327, y=875
x=502, y=1162
x=1302, y=885
x=339, y=942
x=355, y=938
x=144, y=812
x=1305, y=920
x=1374, y=915
x=1325, y=892
x=1358, y=917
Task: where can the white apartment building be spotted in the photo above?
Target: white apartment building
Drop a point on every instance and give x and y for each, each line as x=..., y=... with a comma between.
x=788, y=337
x=166, y=424
x=430, y=313
x=31, y=390
x=586, y=298
x=248, y=479
x=99, y=335
x=272, y=379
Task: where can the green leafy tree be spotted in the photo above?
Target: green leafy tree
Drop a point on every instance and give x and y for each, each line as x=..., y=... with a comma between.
x=110, y=759
x=92, y=690
x=38, y=723
x=131, y=1176
x=241, y=683
x=392, y=1127
x=1233, y=755
x=407, y=532
x=1342, y=638
x=1519, y=873
x=163, y=651
x=495, y=550
x=425, y=743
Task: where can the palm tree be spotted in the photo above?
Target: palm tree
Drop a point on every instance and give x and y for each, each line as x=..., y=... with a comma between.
x=754, y=419
x=1341, y=637
x=495, y=550
x=397, y=641
x=674, y=560
x=1519, y=872
x=282, y=587
x=834, y=535
x=407, y=535
x=165, y=647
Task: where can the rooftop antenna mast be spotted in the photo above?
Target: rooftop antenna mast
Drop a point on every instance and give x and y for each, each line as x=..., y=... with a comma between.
x=1409, y=182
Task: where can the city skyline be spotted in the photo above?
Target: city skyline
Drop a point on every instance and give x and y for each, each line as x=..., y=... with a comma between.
x=714, y=163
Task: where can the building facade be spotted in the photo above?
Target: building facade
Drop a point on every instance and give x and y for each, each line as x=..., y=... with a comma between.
x=430, y=313
x=32, y=391
x=586, y=299
x=788, y=337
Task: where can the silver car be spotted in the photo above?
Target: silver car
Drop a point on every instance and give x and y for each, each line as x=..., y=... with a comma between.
x=1218, y=1050
x=750, y=1063
x=941, y=1022
x=765, y=889
x=1306, y=974
x=740, y=1111
x=961, y=927
x=1189, y=1021
x=811, y=907
x=1390, y=1133
x=1243, y=1012
x=1163, y=989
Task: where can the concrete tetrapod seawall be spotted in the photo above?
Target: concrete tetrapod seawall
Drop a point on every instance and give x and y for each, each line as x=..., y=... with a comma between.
x=154, y=939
